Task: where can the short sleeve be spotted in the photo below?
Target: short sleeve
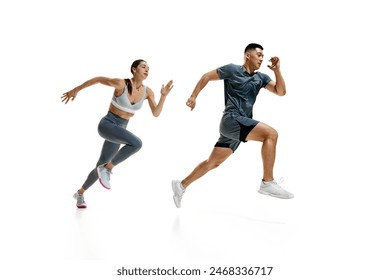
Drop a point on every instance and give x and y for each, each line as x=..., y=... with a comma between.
x=265, y=79
x=226, y=71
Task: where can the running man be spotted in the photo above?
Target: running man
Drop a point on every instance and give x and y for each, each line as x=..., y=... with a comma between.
x=241, y=85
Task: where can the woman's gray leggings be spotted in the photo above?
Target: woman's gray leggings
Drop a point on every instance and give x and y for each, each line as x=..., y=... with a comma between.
x=113, y=129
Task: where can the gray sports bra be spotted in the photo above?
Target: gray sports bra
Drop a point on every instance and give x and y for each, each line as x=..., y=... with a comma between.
x=122, y=102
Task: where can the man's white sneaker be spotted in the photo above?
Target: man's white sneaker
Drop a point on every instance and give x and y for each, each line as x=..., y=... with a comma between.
x=104, y=176
x=178, y=192
x=272, y=188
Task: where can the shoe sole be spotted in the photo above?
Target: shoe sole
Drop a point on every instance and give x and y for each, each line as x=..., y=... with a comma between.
x=274, y=195
x=101, y=183
x=174, y=200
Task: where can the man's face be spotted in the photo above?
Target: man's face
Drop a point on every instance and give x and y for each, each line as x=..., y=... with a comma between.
x=255, y=57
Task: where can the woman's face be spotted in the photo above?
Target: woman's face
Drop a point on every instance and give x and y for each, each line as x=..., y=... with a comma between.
x=141, y=71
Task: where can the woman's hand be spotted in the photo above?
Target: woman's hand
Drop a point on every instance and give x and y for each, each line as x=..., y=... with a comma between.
x=166, y=89
x=70, y=95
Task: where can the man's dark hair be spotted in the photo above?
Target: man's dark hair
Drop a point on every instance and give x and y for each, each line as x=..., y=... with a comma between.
x=252, y=46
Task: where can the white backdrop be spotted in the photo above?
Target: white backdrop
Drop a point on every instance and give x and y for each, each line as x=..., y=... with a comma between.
x=333, y=148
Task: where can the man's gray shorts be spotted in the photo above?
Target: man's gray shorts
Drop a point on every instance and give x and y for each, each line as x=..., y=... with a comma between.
x=234, y=129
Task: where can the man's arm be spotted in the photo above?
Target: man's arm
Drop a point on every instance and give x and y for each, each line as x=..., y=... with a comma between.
x=278, y=86
x=209, y=76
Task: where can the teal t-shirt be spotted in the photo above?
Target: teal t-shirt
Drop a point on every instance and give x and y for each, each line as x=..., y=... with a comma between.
x=241, y=88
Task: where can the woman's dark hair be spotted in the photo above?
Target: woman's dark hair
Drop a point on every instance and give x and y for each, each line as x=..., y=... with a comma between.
x=133, y=65
x=129, y=87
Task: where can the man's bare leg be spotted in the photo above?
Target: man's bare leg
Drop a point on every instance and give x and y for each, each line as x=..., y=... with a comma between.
x=269, y=136
x=217, y=156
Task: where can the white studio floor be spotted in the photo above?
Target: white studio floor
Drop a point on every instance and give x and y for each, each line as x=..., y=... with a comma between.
x=223, y=222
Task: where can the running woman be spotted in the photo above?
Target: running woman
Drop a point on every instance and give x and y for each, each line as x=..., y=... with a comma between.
x=128, y=97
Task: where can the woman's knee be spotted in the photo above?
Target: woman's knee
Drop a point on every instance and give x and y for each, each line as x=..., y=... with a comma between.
x=137, y=144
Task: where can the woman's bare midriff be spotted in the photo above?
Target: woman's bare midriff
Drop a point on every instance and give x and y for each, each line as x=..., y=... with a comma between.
x=120, y=113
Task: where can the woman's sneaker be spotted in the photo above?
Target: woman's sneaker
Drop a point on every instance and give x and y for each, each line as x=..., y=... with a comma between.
x=273, y=189
x=80, y=200
x=104, y=176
